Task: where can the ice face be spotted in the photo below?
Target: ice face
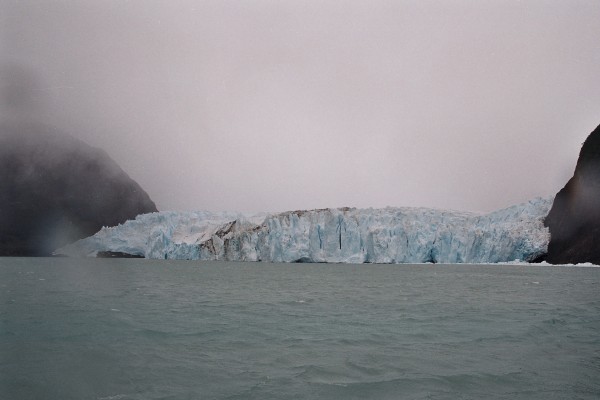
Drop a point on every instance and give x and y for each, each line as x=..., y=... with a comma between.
x=389, y=235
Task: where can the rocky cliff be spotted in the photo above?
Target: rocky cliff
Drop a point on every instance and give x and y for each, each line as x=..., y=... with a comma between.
x=56, y=189
x=574, y=219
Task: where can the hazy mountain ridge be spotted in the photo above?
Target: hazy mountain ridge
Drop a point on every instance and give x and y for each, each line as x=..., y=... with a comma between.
x=57, y=189
x=390, y=235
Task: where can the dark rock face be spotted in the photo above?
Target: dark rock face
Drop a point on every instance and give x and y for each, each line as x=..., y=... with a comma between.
x=116, y=254
x=55, y=189
x=574, y=219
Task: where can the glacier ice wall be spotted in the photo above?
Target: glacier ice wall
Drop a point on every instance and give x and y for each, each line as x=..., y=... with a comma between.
x=348, y=235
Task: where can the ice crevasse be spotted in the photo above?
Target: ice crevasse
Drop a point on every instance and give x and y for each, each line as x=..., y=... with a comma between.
x=347, y=235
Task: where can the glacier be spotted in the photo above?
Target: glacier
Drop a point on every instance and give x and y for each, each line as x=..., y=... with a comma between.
x=333, y=235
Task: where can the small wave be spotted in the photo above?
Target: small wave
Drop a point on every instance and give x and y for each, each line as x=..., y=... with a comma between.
x=364, y=369
x=321, y=374
x=115, y=397
x=297, y=302
x=554, y=321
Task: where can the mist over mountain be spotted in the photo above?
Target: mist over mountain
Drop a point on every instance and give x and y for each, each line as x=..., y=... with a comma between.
x=574, y=219
x=56, y=189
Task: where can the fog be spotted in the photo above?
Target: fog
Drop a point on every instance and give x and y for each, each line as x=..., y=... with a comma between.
x=267, y=105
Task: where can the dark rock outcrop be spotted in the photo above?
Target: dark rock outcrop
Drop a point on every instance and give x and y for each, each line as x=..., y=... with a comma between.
x=55, y=189
x=116, y=254
x=574, y=219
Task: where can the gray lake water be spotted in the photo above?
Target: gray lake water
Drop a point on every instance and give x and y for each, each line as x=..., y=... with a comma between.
x=142, y=329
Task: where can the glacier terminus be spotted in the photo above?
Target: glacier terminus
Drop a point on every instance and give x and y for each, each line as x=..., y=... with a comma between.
x=342, y=235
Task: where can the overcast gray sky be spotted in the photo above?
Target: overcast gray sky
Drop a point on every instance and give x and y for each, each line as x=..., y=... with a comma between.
x=276, y=105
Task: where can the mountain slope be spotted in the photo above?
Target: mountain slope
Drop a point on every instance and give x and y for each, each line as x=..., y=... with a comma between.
x=574, y=219
x=56, y=189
